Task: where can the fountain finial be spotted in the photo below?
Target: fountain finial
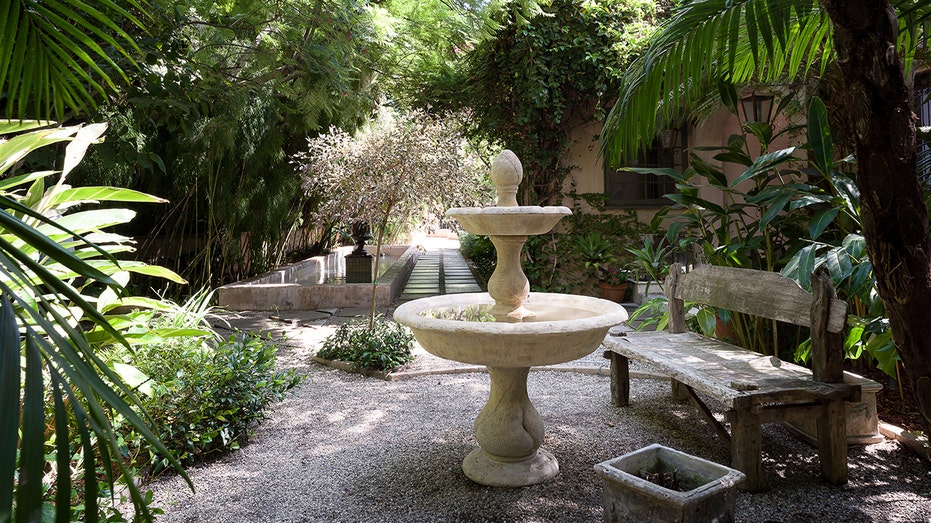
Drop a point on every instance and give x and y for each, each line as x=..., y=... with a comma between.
x=506, y=174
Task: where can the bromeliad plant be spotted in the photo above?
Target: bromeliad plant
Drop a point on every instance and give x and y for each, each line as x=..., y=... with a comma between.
x=59, y=278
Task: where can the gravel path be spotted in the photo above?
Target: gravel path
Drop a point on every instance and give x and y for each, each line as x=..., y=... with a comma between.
x=343, y=447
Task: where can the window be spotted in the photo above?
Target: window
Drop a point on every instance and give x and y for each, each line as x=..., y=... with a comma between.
x=630, y=189
x=923, y=110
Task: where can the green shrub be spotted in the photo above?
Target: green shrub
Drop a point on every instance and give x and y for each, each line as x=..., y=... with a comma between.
x=384, y=347
x=480, y=251
x=204, y=399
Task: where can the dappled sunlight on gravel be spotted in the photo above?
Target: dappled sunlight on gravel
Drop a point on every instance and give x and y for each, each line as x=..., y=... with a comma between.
x=342, y=447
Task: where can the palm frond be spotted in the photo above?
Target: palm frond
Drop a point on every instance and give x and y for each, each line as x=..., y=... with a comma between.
x=61, y=55
x=707, y=41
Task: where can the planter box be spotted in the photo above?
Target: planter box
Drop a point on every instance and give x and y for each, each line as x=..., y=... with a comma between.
x=630, y=498
x=640, y=291
x=862, y=418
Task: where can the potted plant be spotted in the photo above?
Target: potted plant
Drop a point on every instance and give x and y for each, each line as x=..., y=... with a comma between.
x=595, y=251
x=659, y=484
x=614, y=281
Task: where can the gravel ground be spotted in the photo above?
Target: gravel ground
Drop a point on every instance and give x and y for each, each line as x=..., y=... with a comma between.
x=343, y=447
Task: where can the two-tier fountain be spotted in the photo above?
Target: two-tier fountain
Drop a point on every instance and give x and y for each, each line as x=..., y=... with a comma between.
x=509, y=330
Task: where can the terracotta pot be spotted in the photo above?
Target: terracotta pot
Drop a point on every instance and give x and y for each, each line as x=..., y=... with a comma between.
x=615, y=293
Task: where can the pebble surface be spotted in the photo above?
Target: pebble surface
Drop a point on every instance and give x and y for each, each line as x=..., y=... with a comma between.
x=343, y=447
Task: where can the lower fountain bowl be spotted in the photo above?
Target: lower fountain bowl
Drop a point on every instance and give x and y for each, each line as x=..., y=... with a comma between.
x=564, y=327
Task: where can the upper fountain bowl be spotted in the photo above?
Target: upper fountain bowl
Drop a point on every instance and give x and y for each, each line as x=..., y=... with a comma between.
x=508, y=221
x=563, y=328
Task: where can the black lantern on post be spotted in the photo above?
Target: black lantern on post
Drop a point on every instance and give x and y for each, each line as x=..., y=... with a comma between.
x=757, y=108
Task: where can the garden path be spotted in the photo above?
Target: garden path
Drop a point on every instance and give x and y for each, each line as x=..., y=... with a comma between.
x=441, y=269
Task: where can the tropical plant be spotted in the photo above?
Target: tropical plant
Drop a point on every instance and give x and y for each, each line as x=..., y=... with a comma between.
x=59, y=279
x=709, y=40
x=837, y=245
x=594, y=250
x=404, y=163
x=766, y=215
x=383, y=346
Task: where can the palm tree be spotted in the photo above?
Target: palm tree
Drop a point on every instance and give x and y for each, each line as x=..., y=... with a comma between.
x=63, y=56
x=55, y=58
x=869, y=45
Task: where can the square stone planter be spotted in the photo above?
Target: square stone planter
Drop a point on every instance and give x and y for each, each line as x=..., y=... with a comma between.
x=862, y=418
x=640, y=289
x=708, y=496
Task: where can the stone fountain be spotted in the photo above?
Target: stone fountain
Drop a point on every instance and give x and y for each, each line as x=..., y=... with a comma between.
x=509, y=330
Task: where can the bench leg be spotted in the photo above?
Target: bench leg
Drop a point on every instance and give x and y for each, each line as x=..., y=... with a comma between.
x=747, y=447
x=832, y=442
x=620, y=380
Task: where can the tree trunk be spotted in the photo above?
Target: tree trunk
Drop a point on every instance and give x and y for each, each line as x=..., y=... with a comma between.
x=880, y=120
x=381, y=237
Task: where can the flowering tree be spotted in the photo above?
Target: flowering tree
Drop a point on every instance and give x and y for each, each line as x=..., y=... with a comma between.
x=403, y=163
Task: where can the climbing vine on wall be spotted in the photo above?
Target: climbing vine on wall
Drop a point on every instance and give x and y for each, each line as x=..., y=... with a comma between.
x=533, y=82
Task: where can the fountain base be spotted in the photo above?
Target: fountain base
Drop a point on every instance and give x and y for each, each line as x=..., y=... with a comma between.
x=485, y=470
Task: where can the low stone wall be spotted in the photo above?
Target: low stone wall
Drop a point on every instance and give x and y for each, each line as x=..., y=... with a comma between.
x=276, y=290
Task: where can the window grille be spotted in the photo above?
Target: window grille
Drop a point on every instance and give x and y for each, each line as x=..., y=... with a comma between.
x=630, y=189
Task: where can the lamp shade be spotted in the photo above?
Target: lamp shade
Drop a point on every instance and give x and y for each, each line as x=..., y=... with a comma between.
x=757, y=108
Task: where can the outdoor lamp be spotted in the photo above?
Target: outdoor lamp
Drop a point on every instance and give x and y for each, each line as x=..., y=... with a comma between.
x=757, y=107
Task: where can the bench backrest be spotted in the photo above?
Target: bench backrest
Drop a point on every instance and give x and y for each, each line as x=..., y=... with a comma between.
x=768, y=295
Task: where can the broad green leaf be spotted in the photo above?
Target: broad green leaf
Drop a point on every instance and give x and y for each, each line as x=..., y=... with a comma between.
x=774, y=209
x=728, y=94
x=74, y=196
x=706, y=321
x=16, y=148
x=855, y=245
x=83, y=222
x=739, y=158
x=23, y=179
x=133, y=377
x=819, y=136
x=154, y=270
x=820, y=221
x=21, y=126
x=766, y=162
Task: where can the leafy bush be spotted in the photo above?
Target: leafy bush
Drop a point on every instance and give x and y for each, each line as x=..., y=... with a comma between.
x=480, y=251
x=204, y=399
x=385, y=346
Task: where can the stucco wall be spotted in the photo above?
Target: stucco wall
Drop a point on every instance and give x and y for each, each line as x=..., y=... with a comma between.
x=587, y=174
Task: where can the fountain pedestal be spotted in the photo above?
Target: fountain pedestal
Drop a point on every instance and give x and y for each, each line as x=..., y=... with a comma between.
x=509, y=432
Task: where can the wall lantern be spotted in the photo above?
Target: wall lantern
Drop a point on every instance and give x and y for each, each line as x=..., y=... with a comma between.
x=757, y=108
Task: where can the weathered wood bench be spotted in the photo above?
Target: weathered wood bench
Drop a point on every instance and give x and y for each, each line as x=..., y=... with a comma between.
x=754, y=389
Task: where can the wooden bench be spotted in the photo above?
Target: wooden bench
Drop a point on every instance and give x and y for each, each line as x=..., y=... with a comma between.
x=755, y=389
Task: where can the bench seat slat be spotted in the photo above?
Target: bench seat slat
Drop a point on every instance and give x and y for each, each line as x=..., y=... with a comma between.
x=721, y=370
